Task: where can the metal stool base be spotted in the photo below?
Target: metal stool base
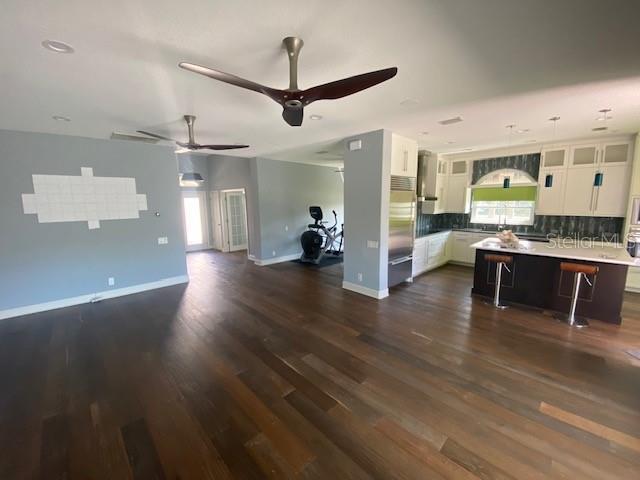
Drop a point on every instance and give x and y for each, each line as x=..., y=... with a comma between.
x=578, y=322
x=497, y=307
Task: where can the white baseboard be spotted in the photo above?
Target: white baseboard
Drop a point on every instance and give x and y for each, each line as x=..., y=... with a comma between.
x=69, y=302
x=271, y=261
x=369, y=292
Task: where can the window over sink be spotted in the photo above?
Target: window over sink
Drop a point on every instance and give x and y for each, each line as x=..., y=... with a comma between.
x=504, y=197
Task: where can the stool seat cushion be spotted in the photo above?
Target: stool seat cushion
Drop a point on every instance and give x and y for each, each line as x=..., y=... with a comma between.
x=579, y=268
x=492, y=257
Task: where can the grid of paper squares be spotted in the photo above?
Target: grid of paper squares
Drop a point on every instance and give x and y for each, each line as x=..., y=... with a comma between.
x=84, y=198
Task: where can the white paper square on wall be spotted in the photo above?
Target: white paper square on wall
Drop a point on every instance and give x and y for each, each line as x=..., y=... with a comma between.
x=68, y=198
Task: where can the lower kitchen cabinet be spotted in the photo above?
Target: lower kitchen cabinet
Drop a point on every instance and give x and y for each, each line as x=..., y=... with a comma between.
x=633, y=280
x=430, y=252
x=461, y=251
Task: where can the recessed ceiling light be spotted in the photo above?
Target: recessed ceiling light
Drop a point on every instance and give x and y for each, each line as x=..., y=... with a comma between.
x=522, y=130
x=409, y=102
x=315, y=117
x=58, y=47
x=451, y=121
x=61, y=118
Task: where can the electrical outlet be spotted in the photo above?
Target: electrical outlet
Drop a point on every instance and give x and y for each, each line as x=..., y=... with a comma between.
x=111, y=281
x=372, y=244
x=359, y=277
x=163, y=240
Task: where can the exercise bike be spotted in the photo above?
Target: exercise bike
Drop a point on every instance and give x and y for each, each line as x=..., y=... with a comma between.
x=320, y=240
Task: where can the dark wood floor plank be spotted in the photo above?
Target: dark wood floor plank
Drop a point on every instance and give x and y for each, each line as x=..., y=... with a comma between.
x=54, y=453
x=363, y=444
x=331, y=462
x=143, y=458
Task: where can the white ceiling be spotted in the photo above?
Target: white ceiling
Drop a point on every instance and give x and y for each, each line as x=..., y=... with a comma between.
x=495, y=62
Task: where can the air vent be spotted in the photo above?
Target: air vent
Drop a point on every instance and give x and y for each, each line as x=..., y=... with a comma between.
x=599, y=129
x=403, y=183
x=451, y=121
x=132, y=138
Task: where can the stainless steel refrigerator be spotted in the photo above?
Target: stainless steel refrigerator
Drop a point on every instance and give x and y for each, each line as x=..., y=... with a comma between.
x=402, y=214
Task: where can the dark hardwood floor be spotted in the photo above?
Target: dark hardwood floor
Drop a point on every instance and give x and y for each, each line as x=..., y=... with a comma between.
x=276, y=372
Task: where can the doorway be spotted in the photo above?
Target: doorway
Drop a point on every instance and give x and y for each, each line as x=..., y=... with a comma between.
x=196, y=226
x=229, y=218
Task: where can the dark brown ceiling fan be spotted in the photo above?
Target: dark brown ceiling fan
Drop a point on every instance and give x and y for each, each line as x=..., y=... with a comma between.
x=191, y=143
x=292, y=99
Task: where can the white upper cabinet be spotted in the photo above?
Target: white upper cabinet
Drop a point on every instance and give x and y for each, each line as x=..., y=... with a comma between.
x=458, y=167
x=551, y=189
x=555, y=157
x=404, y=156
x=616, y=153
x=613, y=193
x=457, y=194
x=584, y=155
x=608, y=153
x=597, y=182
x=580, y=191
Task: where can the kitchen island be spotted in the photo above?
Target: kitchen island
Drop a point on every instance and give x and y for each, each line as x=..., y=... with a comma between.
x=536, y=280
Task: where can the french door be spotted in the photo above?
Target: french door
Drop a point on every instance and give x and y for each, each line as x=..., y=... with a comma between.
x=229, y=220
x=235, y=213
x=196, y=228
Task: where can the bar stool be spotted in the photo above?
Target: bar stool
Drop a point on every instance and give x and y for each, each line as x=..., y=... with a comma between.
x=580, y=271
x=500, y=261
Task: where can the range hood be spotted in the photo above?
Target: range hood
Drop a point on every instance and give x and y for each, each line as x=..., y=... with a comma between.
x=427, y=173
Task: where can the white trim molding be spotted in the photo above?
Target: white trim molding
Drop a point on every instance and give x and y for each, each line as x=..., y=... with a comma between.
x=369, y=292
x=92, y=297
x=271, y=261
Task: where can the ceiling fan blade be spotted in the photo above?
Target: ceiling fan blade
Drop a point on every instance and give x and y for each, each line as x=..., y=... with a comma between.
x=219, y=147
x=293, y=116
x=348, y=86
x=231, y=79
x=160, y=137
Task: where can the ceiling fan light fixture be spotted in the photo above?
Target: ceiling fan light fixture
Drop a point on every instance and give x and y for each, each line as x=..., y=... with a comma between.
x=57, y=47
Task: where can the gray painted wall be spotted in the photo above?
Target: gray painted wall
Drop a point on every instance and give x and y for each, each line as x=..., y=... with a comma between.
x=366, y=199
x=285, y=192
x=51, y=261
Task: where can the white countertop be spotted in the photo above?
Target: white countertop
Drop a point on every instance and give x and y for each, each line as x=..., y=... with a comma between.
x=589, y=251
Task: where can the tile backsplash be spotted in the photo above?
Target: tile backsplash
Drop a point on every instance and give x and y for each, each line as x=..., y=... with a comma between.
x=564, y=226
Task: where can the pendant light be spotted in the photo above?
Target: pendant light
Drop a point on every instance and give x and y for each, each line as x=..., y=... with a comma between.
x=506, y=183
x=548, y=179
